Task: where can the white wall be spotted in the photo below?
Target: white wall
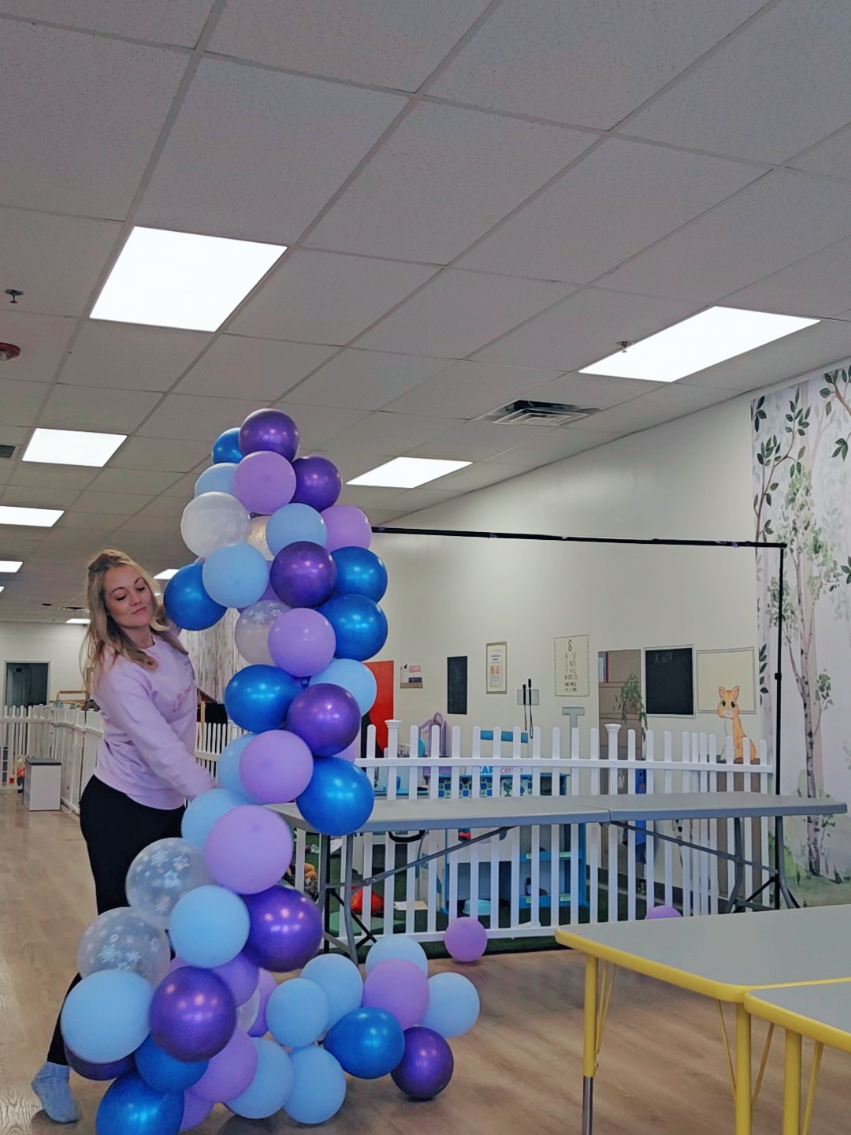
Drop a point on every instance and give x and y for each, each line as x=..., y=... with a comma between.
x=56, y=644
x=686, y=479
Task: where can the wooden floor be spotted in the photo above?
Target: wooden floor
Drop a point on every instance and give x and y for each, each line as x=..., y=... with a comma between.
x=662, y=1067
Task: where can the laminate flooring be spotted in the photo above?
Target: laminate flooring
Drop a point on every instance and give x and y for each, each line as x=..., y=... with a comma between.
x=662, y=1068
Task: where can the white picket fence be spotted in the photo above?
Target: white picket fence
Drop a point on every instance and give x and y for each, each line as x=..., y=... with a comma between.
x=525, y=882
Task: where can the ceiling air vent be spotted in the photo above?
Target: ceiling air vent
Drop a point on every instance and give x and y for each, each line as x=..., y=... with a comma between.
x=530, y=413
x=6, y=452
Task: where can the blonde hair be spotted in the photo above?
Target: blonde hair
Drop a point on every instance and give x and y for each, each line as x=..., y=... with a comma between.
x=103, y=630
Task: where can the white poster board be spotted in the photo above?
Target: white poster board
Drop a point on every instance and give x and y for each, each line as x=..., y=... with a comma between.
x=726, y=669
x=572, y=666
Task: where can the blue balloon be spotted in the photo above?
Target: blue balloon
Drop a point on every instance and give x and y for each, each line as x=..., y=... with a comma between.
x=226, y=447
x=396, y=946
x=293, y=523
x=319, y=1086
x=353, y=676
x=297, y=1012
x=203, y=812
x=216, y=479
x=453, y=1006
x=105, y=1017
x=187, y=603
x=360, y=572
x=258, y=697
x=338, y=800
x=132, y=1107
x=340, y=980
x=359, y=625
x=235, y=575
x=164, y=1073
x=368, y=1042
x=271, y=1086
x=227, y=769
x=208, y=927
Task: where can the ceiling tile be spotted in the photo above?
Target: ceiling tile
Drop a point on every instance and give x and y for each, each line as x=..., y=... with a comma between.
x=443, y=178
x=780, y=219
x=321, y=297
x=592, y=390
x=55, y=261
x=162, y=21
x=119, y=504
x=254, y=368
x=616, y=201
x=585, y=62
x=388, y=43
x=467, y=390
x=367, y=497
x=13, y=435
x=31, y=496
x=7, y=468
x=196, y=419
x=319, y=423
x=364, y=380
x=675, y=400
x=790, y=48
x=133, y=481
x=412, y=500
x=459, y=312
x=478, y=476
x=819, y=285
x=475, y=441
x=586, y=327
x=144, y=523
x=255, y=154
x=20, y=402
x=42, y=339
x=102, y=522
x=161, y=453
x=390, y=434
x=172, y=498
x=833, y=156
x=555, y=447
x=35, y=475
x=81, y=114
x=127, y=356
x=90, y=408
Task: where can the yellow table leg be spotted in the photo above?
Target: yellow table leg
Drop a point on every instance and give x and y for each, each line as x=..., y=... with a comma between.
x=792, y=1085
x=589, y=1053
x=743, y=1071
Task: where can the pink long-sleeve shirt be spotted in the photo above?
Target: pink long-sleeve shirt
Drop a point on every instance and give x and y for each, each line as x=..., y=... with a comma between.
x=148, y=746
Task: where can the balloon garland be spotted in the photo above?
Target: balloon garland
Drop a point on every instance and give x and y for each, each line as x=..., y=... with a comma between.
x=178, y=1035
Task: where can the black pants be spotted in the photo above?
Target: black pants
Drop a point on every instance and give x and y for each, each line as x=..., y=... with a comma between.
x=115, y=829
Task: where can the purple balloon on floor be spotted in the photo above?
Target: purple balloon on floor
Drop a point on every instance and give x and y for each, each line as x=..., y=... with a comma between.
x=269, y=429
x=662, y=912
x=427, y=1066
x=286, y=929
x=318, y=482
x=303, y=574
x=326, y=717
x=193, y=1014
x=92, y=1071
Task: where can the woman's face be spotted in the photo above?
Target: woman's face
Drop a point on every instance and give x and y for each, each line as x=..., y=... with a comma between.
x=127, y=597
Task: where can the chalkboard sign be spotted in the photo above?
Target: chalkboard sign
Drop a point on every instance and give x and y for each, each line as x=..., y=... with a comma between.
x=669, y=682
x=456, y=684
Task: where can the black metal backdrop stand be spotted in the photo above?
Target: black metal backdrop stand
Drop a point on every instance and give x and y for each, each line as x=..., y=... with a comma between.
x=472, y=534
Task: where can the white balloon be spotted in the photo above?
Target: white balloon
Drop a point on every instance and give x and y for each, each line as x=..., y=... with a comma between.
x=252, y=630
x=123, y=939
x=257, y=536
x=246, y=1014
x=212, y=520
x=161, y=874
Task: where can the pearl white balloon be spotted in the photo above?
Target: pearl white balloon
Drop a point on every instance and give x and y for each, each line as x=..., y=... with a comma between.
x=161, y=874
x=212, y=520
x=123, y=939
x=252, y=630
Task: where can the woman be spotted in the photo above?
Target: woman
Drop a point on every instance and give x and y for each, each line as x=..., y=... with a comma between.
x=139, y=674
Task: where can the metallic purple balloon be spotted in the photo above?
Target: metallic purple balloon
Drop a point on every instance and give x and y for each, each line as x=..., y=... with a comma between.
x=318, y=482
x=326, y=717
x=286, y=929
x=193, y=1014
x=92, y=1071
x=269, y=429
x=303, y=574
x=427, y=1066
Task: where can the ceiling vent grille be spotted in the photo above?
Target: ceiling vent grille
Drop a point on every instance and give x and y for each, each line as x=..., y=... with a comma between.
x=551, y=414
x=6, y=452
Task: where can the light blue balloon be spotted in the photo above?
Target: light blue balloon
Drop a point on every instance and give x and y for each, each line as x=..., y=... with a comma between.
x=453, y=1006
x=295, y=522
x=271, y=1086
x=319, y=1086
x=396, y=946
x=105, y=1017
x=203, y=812
x=208, y=927
x=297, y=1013
x=216, y=479
x=235, y=575
x=340, y=980
x=353, y=676
x=227, y=768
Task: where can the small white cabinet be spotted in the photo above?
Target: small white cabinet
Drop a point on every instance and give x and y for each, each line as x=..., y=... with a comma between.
x=42, y=785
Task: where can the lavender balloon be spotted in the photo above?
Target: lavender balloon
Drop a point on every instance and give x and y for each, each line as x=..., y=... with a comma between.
x=264, y=481
x=427, y=1066
x=248, y=849
x=193, y=1014
x=240, y=976
x=303, y=574
x=266, y=986
x=269, y=429
x=326, y=717
x=194, y=1110
x=276, y=767
x=400, y=988
x=302, y=642
x=347, y=527
x=286, y=929
x=465, y=939
x=318, y=482
x=230, y=1072
x=662, y=912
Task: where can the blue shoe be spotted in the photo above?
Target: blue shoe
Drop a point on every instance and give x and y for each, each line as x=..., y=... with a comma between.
x=53, y=1089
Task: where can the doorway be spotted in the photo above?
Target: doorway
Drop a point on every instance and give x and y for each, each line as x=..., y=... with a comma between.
x=26, y=683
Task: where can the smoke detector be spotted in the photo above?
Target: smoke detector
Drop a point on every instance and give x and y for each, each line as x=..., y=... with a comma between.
x=525, y=411
x=8, y=351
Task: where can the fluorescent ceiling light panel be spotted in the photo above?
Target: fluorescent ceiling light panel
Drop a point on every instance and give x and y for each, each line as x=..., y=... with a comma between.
x=169, y=573
x=697, y=343
x=11, y=566
x=72, y=447
x=30, y=517
x=170, y=279
x=81, y=622
x=2, y=588
x=408, y=472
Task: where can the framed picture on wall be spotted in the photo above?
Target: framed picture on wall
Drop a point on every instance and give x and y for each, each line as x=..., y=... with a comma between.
x=496, y=668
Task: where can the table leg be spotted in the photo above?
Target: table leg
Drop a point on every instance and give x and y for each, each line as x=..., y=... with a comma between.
x=780, y=857
x=739, y=854
x=589, y=1053
x=792, y=1085
x=743, y=1071
x=324, y=887
x=347, y=899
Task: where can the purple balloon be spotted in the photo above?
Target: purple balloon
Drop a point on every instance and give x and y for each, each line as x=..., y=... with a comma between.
x=269, y=429
x=194, y=1110
x=286, y=929
x=303, y=574
x=267, y=986
x=248, y=849
x=240, y=976
x=399, y=987
x=193, y=1014
x=318, y=482
x=351, y=753
x=230, y=1072
x=276, y=767
x=302, y=642
x=465, y=939
x=264, y=481
x=427, y=1066
x=662, y=912
x=326, y=717
x=347, y=527
x=91, y=1071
